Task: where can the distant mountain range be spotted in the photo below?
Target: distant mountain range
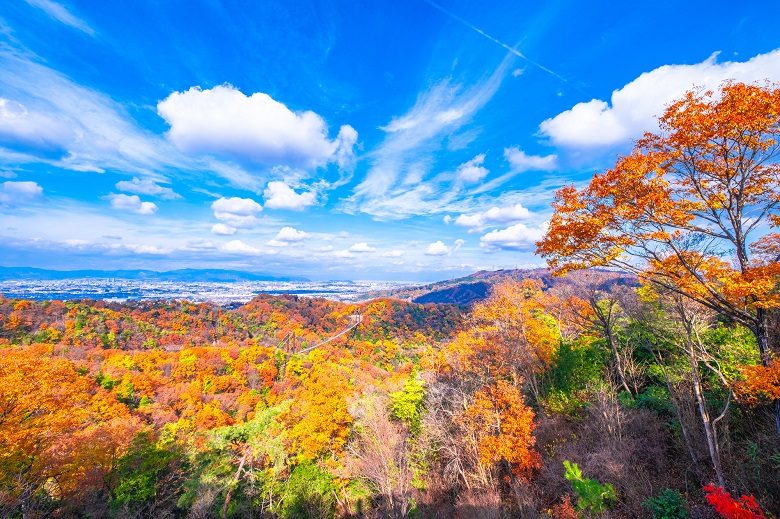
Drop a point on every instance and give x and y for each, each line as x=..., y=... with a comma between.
x=476, y=287
x=181, y=275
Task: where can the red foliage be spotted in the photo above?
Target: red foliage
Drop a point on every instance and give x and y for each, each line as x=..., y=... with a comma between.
x=729, y=508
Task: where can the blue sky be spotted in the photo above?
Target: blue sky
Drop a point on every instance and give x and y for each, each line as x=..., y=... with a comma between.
x=362, y=140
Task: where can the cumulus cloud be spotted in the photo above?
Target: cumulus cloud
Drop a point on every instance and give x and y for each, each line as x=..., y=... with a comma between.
x=447, y=219
x=519, y=161
x=633, y=108
x=13, y=192
x=238, y=247
x=223, y=229
x=224, y=121
x=131, y=203
x=361, y=247
x=494, y=215
x=235, y=212
x=288, y=236
x=514, y=237
x=472, y=171
x=438, y=248
x=147, y=186
x=279, y=195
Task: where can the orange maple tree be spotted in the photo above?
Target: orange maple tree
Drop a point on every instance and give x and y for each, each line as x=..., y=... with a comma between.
x=503, y=425
x=706, y=187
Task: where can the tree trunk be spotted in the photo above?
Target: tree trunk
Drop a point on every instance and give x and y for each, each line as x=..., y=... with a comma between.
x=235, y=481
x=762, y=338
x=515, y=488
x=618, y=361
x=709, y=429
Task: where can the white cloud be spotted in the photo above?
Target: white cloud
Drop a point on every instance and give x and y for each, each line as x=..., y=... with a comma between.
x=494, y=215
x=238, y=247
x=13, y=192
x=63, y=124
x=61, y=14
x=438, y=248
x=198, y=245
x=345, y=153
x=279, y=195
x=236, y=213
x=223, y=229
x=519, y=161
x=396, y=184
x=237, y=206
x=515, y=237
x=7, y=174
x=361, y=247
x=19, y=125
x=633, y=108
x=472, y=171
x=147, y=249
x=447, y=219
x=131, y=203
x=326, y=248
x=222, y=120
x=288, y=236
x=147, y=186
x=393, y=254
x=25, y=189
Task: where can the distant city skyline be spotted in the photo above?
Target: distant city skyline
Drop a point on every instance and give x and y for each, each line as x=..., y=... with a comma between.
x=412, y=140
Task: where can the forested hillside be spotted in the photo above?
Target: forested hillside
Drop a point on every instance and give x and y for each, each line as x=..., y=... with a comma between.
x=181, y=410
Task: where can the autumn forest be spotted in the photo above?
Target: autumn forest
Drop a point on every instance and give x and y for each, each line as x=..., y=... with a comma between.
x=640, y=380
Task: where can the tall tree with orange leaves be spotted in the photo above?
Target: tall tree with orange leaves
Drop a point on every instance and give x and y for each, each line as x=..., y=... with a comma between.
x=503, y=425
x=690, y=209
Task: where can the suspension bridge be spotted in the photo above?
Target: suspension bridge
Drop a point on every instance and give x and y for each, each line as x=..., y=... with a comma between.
x=353, y=320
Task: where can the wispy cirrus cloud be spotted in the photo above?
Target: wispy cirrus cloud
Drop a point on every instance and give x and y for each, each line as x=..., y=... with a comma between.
x=48, y=118
x=147, y=186
x=396, y=184
x=61, y=13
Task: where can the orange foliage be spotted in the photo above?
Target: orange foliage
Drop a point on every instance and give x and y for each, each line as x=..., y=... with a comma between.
x=681, y=199
x=503, y=425
x=509, y=335
x=761, y=384
x=318, y=423
x=47, y=412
